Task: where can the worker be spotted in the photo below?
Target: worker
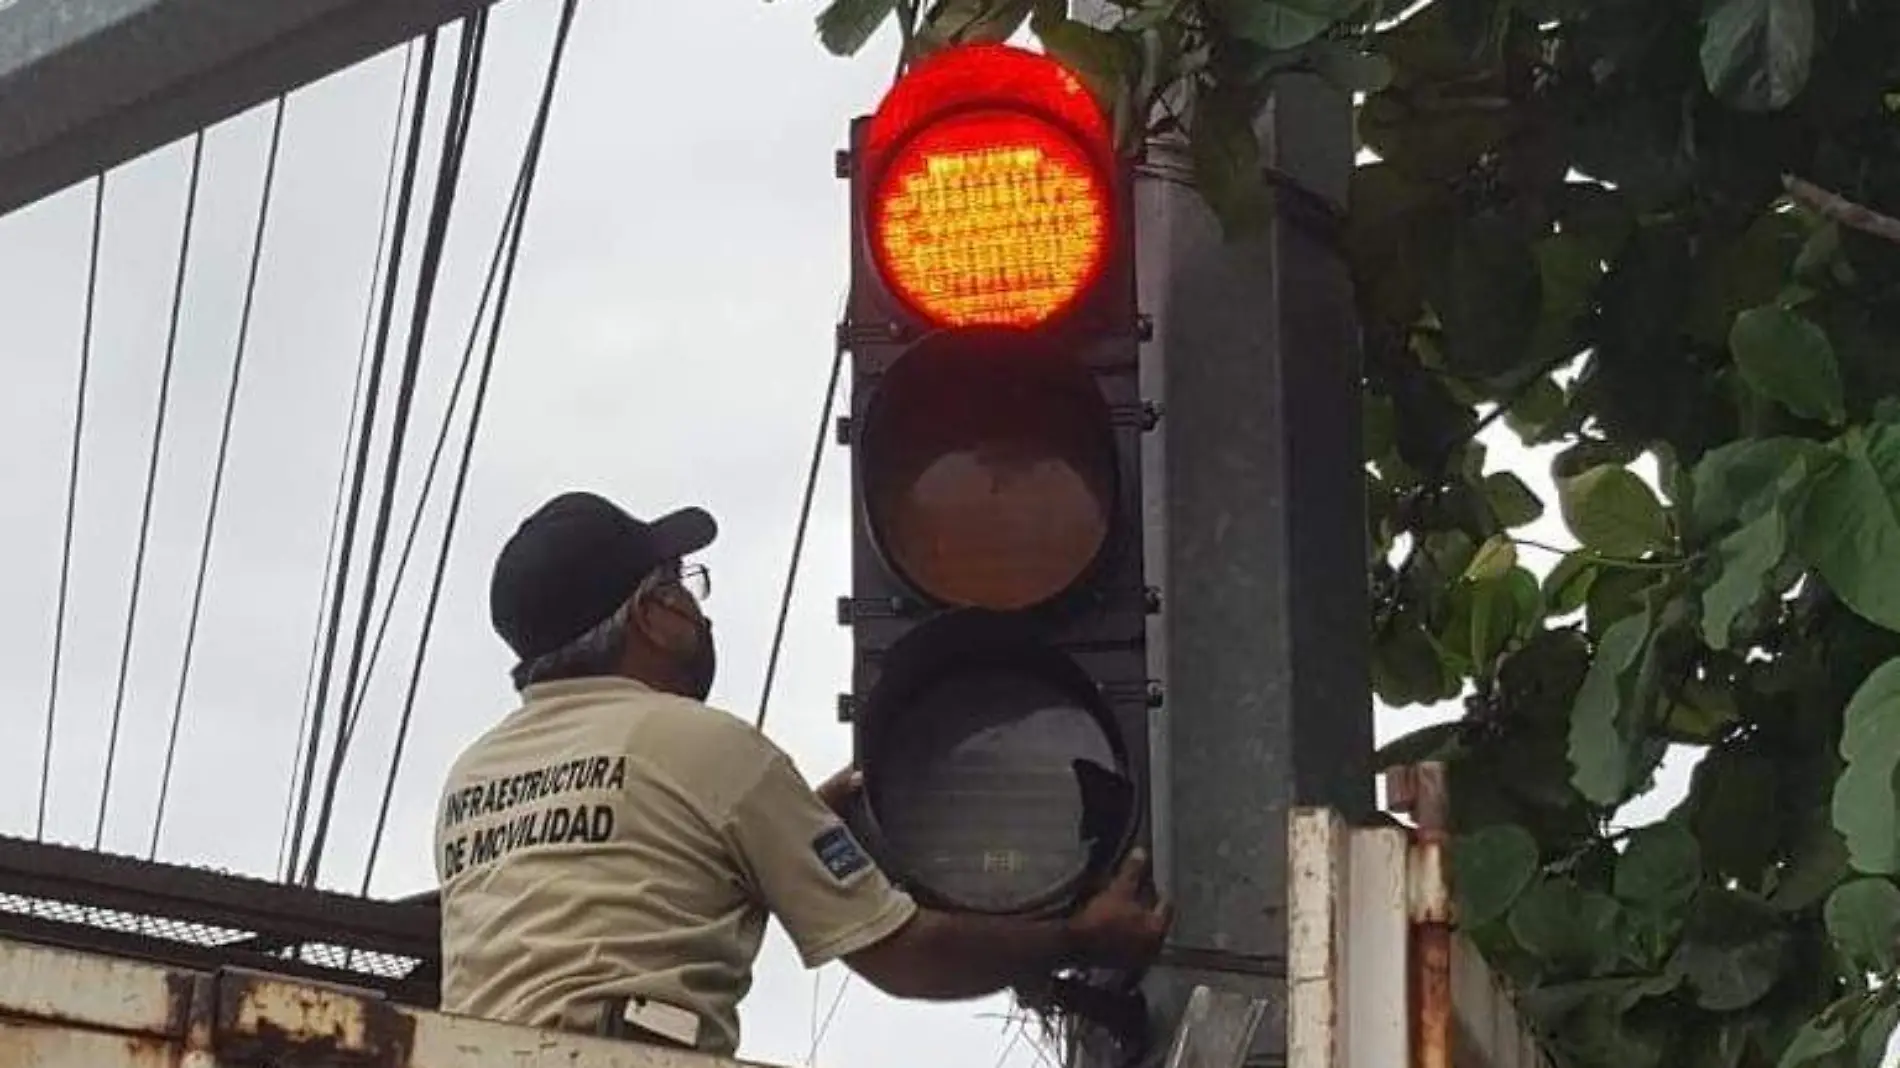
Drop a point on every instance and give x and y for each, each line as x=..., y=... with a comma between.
x=610, y=850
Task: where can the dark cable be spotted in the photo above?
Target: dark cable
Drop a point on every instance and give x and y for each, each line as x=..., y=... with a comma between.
x=524, y=190
x=334, y=626
x=461, y=104
x=454, y=145
x=217, y=473
x=151, y=482
x=435, y=462
x=72, y=505
x=798, y=538
x=343, y=462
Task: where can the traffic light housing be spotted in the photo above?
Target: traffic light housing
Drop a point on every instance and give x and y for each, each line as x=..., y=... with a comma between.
x=998, y=608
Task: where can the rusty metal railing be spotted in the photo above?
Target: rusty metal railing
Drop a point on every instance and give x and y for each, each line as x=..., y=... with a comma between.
x=1378, y=974
x=65, y=1009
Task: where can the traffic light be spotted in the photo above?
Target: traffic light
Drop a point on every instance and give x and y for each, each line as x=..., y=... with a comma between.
x=998, y=609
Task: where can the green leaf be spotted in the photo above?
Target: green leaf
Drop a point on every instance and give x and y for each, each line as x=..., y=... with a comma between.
x=844, y=26
x=1661, y=866
x=1494, y=618
x=1563, y=924
x=1488, y=298
x=1850, y=526
x=1863, y=918
x=1730, y=976
x=1699, y=713
x=1511, y=500
x=1274, y=24
x=1406, y=669
x=1440, y=741
x=1876, y=1032
x=1788, y=359
x=1724, y=1048
x=1378, y=434
x=1600, y=720
x=1816, y=1039
x=1612, y=511
x=1819, y=861
x=1746, y=558
x=1225, y=152
x=1532, y=414
x=1757, y=54
x=1567, y=586
x=1734, y=792
x=1551, y=1002
x=1738, y=481
x=1490, y=868
x=1102, y=60
x=1616, y=593
x=1822, y=248
x=1495, y=557
x=970, y=21
x=1865, y=806
x=1347, y=68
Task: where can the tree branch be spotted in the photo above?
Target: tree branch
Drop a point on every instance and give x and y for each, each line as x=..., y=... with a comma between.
x=906, y=33
x=1518, y=393
x=1842, y=210
x=1624, y=562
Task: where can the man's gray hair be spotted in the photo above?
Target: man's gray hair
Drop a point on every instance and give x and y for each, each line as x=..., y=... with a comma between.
x=596, y=652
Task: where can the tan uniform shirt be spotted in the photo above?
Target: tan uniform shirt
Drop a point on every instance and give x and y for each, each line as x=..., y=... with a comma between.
x=606, y=840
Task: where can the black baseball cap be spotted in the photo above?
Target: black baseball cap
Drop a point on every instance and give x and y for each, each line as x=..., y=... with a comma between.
x=577, y=559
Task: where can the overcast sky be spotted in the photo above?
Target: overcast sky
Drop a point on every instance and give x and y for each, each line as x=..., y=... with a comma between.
x=667, y=344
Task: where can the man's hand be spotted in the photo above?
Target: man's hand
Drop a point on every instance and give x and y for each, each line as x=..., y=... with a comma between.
x=841, y=789
x=946, y=956
x=1115, y=928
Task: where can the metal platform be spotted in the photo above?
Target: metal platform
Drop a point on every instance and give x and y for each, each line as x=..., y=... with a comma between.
x=194, y=918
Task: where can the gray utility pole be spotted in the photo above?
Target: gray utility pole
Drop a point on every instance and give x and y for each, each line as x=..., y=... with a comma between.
x=87, y=84
x=1257, y=539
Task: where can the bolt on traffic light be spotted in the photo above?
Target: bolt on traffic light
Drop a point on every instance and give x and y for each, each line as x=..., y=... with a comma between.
x=998, y=610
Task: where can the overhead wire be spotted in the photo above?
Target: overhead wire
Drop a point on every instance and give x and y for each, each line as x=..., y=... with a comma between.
x=831, y=1014
x=517, y=216
x=798, y=535
x=393, y=169
x=332, y=629
x=151, y=482
x=72, y=507
x=226, y=424
x=468, y=70
x=810, y=494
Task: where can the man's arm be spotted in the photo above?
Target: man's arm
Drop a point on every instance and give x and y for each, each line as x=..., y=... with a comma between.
x=942, y=956
x=835, y=904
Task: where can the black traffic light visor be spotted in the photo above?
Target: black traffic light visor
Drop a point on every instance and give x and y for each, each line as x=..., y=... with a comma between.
x=988, y=470
x=996, y=777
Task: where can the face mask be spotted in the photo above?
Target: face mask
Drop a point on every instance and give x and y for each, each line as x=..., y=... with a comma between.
x=701, y=664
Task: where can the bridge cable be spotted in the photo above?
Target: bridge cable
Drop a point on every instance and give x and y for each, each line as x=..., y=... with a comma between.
x=72, y=506
x=517, y=216
x=151, y=482
x=229, y=419
x=333, y=627
x=343, y=462
x=461, y=104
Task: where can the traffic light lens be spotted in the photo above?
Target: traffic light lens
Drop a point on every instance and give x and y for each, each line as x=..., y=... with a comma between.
x=991, y=217
x=1000, y=793
x=989, y=473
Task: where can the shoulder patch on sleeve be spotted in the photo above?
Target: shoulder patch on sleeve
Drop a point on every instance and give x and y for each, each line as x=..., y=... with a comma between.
x=840, y=853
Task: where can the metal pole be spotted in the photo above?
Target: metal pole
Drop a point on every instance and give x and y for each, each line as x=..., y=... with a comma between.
x=88, y=84
x=1256, y=538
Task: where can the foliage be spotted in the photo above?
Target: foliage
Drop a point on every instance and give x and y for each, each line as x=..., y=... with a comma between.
x=1630, y=230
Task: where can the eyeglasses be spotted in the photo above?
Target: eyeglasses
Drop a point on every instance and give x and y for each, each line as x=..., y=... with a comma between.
x=696, y=580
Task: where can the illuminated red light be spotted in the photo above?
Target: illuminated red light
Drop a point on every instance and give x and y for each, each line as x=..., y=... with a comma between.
x=992, y=208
